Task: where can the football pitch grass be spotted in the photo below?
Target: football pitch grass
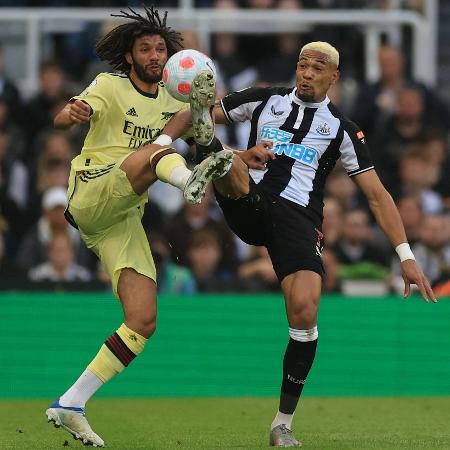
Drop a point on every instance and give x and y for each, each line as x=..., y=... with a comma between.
x=237, y=423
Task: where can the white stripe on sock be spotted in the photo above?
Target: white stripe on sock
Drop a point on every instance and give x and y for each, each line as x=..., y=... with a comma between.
x=282, y=418
x=82, y=390
x=304, y=335
x=179, y=177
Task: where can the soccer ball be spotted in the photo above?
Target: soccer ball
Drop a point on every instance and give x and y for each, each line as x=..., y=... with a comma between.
x=181, y=69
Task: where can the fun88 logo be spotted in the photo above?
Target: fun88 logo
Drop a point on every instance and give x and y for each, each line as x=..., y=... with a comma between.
x=306, y=155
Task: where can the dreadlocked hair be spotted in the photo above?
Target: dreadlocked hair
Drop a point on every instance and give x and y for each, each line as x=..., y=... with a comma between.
x=113, y=46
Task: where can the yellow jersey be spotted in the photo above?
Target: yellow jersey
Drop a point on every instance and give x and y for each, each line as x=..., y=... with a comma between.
x=123, y=118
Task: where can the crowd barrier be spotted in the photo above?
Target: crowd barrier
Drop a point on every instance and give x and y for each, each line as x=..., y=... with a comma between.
x=226, y=345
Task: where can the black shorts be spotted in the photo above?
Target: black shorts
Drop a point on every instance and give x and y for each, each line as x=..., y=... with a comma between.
x=293, y=239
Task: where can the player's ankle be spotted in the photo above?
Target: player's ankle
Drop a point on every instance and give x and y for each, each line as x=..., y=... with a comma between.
x=202, y=151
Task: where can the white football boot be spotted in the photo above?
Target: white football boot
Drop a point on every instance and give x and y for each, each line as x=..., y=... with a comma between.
x=74, y=421
x=281, y=436
x=214, y=166
x=202, y=97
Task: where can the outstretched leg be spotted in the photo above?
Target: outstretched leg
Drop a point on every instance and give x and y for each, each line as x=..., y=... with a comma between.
x=302, y=295
x=137, y=294
x=152, y=162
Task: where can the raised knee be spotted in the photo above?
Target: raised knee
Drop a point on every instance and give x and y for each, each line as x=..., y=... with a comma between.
x=148, y=327
x=233, y=191
x=304, y=314
x=144, y=325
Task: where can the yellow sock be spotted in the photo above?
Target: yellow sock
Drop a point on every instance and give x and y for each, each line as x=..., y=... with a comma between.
x=170, y=167
x=116, y=353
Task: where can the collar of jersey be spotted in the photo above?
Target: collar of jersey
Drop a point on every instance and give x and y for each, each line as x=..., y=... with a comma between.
x=295, y=99
x=145, y=94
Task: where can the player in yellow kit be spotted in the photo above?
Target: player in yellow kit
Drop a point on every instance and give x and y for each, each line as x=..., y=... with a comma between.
x=108, y=190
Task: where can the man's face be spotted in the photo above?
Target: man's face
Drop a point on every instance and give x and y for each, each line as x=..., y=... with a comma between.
x=148, y=57
x=315, y=74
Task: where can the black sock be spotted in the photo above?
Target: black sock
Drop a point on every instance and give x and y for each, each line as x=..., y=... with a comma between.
x=297, y=362
x=202, y=151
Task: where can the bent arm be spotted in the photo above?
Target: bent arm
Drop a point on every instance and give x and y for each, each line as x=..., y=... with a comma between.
x=62, y=120
x=388, y=217
x=180, y=123
x=75, y=112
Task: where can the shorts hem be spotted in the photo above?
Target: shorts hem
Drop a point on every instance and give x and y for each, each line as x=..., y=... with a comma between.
x=313, y=266
x=117, y=272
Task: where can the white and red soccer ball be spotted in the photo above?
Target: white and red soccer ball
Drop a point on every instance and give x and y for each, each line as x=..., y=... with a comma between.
x=181, y=69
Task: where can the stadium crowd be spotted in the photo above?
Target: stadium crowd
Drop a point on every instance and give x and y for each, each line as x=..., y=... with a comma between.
x=406, y=125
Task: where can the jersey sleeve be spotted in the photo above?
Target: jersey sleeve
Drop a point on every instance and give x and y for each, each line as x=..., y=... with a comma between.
x=97, y=95
x=239, y=106
x=355, y=153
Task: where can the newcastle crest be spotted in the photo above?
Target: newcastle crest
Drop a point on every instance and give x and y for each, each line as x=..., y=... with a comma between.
x=323, y=129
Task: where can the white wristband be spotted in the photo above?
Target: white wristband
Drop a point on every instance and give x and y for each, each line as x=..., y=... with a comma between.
x=404, y=252
x=163, y=139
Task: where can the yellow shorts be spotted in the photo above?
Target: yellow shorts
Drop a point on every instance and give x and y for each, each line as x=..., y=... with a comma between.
x=108, y=214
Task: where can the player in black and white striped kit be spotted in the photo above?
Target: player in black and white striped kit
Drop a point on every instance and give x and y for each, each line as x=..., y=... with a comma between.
x=273, y=195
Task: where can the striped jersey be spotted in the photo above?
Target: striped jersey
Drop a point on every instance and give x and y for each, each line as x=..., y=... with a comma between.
x=308, y=139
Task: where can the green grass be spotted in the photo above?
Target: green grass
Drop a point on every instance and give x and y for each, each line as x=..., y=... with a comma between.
x=224, y=423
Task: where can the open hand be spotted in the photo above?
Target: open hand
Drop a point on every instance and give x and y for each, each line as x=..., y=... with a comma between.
x=412, y=273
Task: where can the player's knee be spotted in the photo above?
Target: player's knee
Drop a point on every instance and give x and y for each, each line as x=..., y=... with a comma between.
x=148, y=326
x=144, y=324
x=232, y=188
x=236, y=193
x=303, y=313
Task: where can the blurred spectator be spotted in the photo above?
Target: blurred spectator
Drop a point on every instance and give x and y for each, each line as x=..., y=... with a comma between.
x=234, y=74
x=195, y=218
x=378, y=101
x=191, y=39
x=95, y=65
x=436, y=151
x=165, y=200
x=234, y=71
x=280, y=67
x=13, y=190
x=343, y=94
x=290, y=4
x=259, y=4
x=417, y=175
x=407, y=127
x=204, y=254
x=332, y=221
x=102, y=276
x=51, y=168
x=51, y=98
x=341, y=187
x=8, y=90
x=330, y=280
x=357, y=256
x=33, y=248
x=432, y=251
x=171, y=278
x=411, y=213
x=9, y=272
x=339, y=4
x=257, y=274
x=225, y=4
x=8, y=126
x=60, y=265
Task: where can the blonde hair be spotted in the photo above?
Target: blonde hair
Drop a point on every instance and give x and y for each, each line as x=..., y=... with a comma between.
x=325, y=48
